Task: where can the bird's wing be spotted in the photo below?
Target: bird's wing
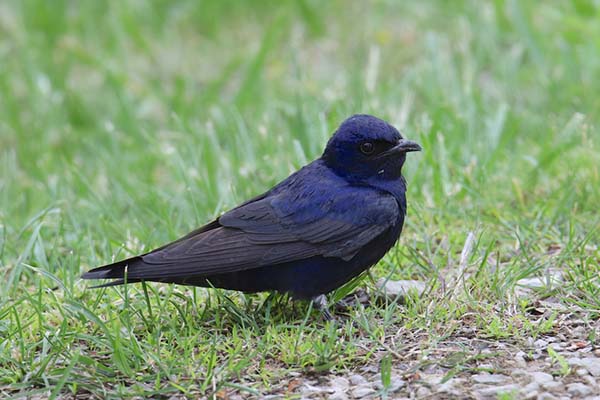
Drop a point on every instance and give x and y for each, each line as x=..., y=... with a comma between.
x=339, y=224
x=276, y=229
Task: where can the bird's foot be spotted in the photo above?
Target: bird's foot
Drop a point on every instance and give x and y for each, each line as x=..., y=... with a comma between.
x=320, y=303
x=352, y=300
x=344, y=303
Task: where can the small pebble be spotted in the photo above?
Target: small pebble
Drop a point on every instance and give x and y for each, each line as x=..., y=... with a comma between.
x=451, y=386
x=399, y=289
x=490, y=391
x=581, y=371
x=556, y=346
x=338, y=396
x=552, y=385
x=362, y=391
x=591, y=364
x=433, y=380
x=531, y=387
x=520, y=359
x=489, y=378
x=591, y=381
x=578, y=389
x=533, y=283
x=357, y=379
x=541, y=377
x=531, y=394
x=395, y=384
x=308, y=388
x=339, y=383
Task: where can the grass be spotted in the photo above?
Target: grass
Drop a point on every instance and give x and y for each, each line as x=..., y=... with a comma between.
x=124, y=125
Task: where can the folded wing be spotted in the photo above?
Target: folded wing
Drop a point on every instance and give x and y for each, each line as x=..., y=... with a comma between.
x=268, y=232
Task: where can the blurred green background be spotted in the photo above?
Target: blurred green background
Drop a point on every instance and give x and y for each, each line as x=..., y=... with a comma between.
x=146, y=118
x=126, y=124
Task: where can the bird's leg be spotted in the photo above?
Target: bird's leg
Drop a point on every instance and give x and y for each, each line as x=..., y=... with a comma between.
x=343, y=303
x=352, y=300
x=320, y=303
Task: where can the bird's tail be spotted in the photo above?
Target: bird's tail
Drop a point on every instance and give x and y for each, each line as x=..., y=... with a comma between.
x=116, y=271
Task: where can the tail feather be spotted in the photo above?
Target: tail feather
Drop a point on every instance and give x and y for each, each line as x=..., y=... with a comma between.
x=116, y=283
x=113, y=271
x=137, y=269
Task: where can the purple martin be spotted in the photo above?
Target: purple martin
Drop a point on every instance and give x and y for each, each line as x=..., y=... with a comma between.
x=308, y=235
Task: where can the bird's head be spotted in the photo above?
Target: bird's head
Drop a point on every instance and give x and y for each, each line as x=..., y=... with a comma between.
x=365, y=147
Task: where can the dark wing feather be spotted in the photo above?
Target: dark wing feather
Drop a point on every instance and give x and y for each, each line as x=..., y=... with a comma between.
x=268, y=230
x=255, y=235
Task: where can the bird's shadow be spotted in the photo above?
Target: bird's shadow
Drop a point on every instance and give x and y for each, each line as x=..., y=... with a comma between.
x=226, y=311
x=258, y=310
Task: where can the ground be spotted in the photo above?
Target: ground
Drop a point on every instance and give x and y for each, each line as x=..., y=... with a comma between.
x=560, y=364
x=124, y=125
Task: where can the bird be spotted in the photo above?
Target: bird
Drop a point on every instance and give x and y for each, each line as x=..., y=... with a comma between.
x=308, y=235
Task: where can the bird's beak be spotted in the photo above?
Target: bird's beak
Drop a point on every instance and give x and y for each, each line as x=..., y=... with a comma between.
x=403, y=146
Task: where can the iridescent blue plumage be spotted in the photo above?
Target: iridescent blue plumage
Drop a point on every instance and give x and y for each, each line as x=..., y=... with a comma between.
x=308, y=235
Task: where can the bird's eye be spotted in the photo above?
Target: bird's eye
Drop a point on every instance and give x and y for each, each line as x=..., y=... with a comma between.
x=367, y=148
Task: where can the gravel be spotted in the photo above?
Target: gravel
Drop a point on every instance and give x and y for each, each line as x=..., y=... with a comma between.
x=591, y=364
x=547, y=396
x=338, y=396
x=357, y=379
x=541, y=377
x=363, y=391
x=339, y=383
x=578, y=389
x=497, y=390
x=522, y=370
x=490, y=378
x=396, y=383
